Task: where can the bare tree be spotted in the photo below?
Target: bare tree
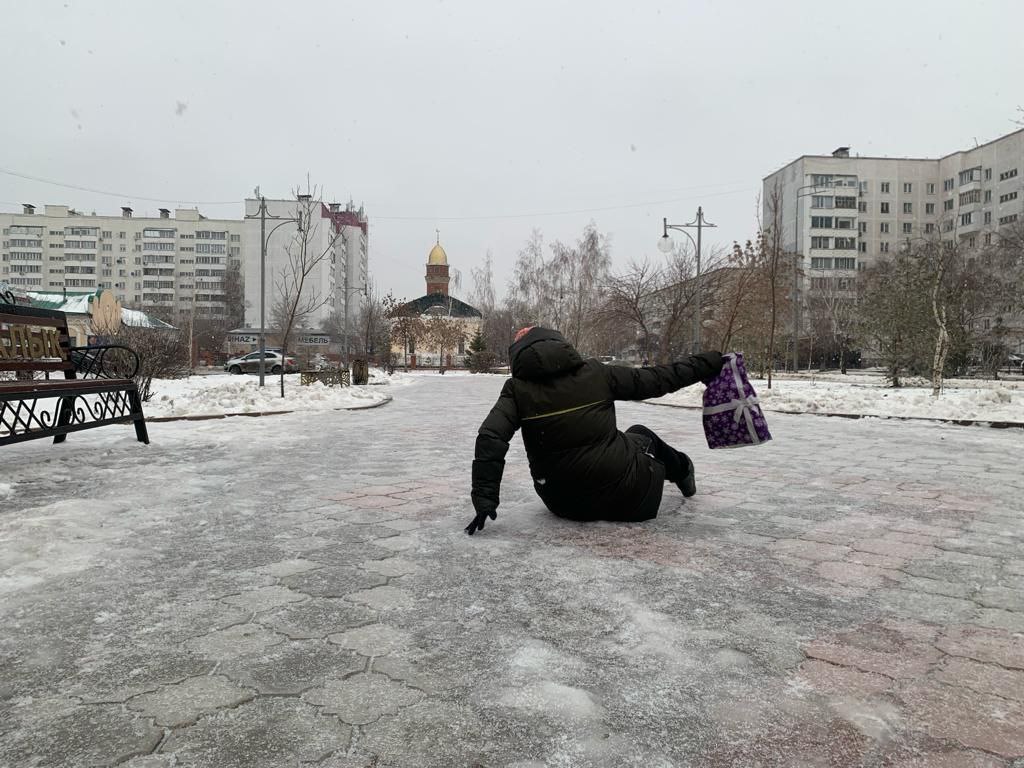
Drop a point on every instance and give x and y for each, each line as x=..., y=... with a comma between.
x=297, y=296
x=405, y=325
x=630, y=300
x=445, y=334
x=163, y=354
x=831, y=306
x=773, y=264
x=738, y=284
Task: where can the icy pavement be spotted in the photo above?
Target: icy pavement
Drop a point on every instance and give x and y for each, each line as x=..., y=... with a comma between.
x=297, y=590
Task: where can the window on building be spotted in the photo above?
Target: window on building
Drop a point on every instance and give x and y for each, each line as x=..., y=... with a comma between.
x=862, y=227
x=821, y=222
x=1008, y=219
x=818, y=262
x=988, y=195
x=844, y=222
x=988, y=174
x=884, y=187
x=885, y=207
x=883, y=247
x=929, y=209
x=967, y=198
x=1008, y=174
x=862, y=207
x=947, y=205
x=821, y=179
x=844, y=243
x=1007, y=197
x=988, y=238
x=948, y=185
x=862, y=247
x=929, y=188
x=907, y=187
x=846, y=202
x=929, y=228
x=908, y=207
x=235, y=238
x=965, y=219
x=822, y=201
x=884, y=227
x=988, y=217
x=863, y=186
x=971, y=174
x=821, y=242
x=908, y=228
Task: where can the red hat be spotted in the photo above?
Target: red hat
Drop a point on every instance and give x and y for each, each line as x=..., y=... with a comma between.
x=522, y=332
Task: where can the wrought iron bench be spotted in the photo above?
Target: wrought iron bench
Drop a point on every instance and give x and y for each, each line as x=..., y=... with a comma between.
x=96, y=388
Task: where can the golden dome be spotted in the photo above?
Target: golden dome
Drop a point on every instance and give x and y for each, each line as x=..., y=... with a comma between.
x=437, y=255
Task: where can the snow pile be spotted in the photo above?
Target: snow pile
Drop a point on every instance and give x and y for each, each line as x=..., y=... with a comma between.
x=6, y=490
x=217, y=394
x=988, y=401
x=378, y=376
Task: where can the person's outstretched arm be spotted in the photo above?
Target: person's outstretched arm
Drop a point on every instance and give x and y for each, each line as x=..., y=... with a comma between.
x=489, y=461
x=658, y=380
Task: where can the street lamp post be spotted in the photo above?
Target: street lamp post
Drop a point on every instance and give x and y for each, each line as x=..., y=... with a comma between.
x=264, y=239
x=809, y=189
x=665, y=245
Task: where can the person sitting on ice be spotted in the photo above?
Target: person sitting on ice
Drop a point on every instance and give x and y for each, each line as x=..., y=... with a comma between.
x=583, y=468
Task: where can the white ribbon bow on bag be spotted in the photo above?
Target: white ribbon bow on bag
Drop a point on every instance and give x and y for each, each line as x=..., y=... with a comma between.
x=740, y=406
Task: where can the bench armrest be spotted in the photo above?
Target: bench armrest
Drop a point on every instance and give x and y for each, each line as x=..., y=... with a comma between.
x=105, y=361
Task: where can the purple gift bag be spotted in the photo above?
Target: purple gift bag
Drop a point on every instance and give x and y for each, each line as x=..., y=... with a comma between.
x=732, y=417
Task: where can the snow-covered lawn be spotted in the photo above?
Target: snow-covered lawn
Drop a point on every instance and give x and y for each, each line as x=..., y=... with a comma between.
x=224, y=393
x=870, y=395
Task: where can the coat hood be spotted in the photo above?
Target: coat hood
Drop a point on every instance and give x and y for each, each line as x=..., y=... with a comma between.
x=541, y=354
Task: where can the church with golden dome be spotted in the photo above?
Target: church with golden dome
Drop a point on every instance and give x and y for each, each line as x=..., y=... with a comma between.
x=459, y=318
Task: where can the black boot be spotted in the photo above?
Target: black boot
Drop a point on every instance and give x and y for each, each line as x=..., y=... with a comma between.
x=688, y=485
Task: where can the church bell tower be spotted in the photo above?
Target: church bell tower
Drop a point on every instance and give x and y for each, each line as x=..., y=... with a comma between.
x=437, y=269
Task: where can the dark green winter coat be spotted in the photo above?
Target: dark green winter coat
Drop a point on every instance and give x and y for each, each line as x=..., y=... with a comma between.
x=582, y=467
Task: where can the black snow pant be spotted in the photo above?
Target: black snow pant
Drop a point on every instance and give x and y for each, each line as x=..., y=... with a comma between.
x=676, y=463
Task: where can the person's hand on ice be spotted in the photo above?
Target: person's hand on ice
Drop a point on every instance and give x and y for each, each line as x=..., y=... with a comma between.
x=714, y=360
x=480, y=519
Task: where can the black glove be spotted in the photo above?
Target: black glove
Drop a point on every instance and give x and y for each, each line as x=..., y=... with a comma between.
x=480, y=519
x=713, y=360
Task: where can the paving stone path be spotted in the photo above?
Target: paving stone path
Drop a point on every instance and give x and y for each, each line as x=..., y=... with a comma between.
x=296, y=590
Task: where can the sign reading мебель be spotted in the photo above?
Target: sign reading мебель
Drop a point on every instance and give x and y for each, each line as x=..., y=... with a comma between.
x=305, y=339
x=23, y=342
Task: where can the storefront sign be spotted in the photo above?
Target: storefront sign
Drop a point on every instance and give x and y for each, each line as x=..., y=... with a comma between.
x=314, y=340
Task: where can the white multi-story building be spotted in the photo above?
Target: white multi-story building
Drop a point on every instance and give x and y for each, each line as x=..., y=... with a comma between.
x=333, y=284
x=171, y=266
x=842, y=212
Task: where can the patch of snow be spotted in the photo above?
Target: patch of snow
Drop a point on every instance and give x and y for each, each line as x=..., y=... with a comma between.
x=224, y=393
x=6, y=490
x=870, y=396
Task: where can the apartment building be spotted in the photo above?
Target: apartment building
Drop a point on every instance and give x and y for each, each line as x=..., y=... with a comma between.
x=841, y=213
x=172, y=266
x=335, y=283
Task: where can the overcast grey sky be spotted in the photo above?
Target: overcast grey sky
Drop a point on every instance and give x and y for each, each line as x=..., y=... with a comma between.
x=488, y=119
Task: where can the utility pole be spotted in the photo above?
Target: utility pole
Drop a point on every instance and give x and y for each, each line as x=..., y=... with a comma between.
x=263, y=287
x=665, y=245
x=264, y=236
